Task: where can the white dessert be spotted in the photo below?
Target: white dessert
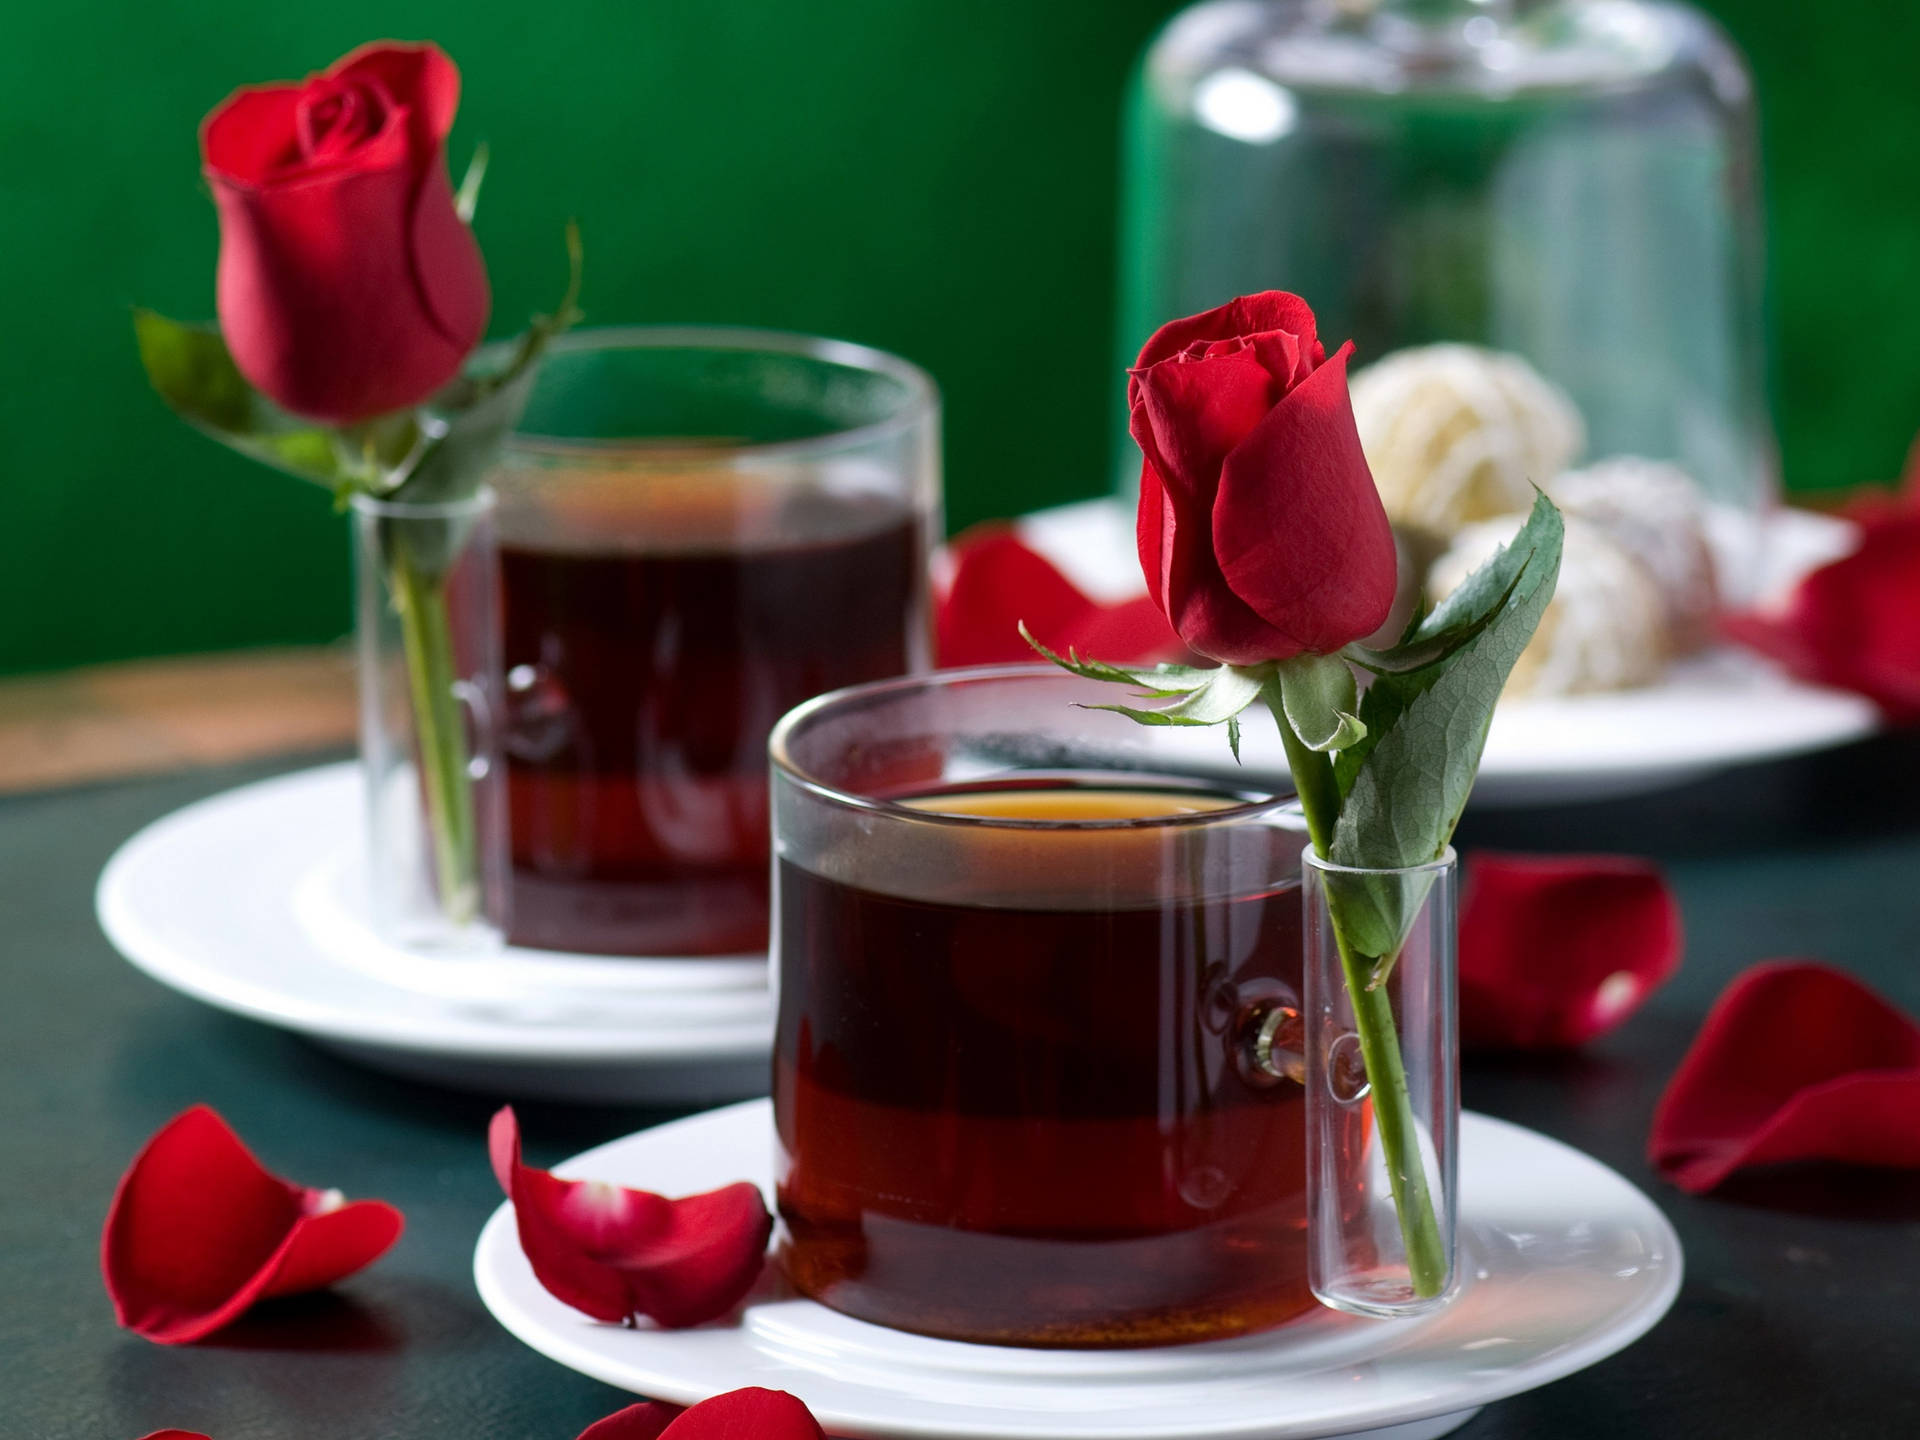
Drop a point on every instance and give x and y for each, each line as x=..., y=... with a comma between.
x=1653, y=510
x=1606, y=626
x=1457, y=433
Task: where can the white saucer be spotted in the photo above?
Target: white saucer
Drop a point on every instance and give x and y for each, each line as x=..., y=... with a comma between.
x=1720, y=709
x=252, y=901
x=1566, y=1263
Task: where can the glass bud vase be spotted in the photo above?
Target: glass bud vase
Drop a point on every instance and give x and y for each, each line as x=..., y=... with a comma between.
x=427, y=625
x=1382, y=1081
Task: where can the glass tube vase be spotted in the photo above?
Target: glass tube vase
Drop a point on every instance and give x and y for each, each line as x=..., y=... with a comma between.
x=1382, y=1080
x=427, y=629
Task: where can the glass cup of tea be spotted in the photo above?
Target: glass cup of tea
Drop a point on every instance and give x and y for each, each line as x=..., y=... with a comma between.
x=699, y=528
x=1037, y=1056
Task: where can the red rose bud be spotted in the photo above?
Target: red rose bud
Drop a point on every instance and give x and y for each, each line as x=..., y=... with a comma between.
x=1261, y=534
x=994, y=583
x=1853, y=623
x=199, y=1230
x=175, y=1435
x=1556, y=950
x=1795, y=1062
x=616, y=1254
x=751, y=1414
x=348, y=284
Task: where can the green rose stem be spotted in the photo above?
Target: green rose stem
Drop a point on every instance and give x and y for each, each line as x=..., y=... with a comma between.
x=426, y=638
x=1319, y=795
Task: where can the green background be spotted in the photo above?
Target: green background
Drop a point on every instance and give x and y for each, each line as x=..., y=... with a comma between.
x=933, y=177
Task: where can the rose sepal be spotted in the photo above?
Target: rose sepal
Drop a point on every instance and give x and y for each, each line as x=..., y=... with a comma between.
x=1319, y=700
x=1201, y=694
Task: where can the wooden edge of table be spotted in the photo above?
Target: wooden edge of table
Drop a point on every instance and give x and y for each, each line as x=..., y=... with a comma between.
x=147, y=717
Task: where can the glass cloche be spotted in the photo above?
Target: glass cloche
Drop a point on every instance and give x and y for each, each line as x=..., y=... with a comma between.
x=1557, y=198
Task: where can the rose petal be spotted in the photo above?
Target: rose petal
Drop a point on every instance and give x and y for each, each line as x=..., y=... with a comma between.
x=1796, y=1061
x=177, y=1435
x=443, y=250
x=1555, y=950
x=1188, y=415
x=616, y=1253
x=1298, y=527
x=251, y=135
x=199, y=1230
x=423, y=77
x=1185, y=582
x=1855, y=622
x=645, y=1421
x=1247, y=315
x=750, y=1414
x=997, y=582
x=1154, y=533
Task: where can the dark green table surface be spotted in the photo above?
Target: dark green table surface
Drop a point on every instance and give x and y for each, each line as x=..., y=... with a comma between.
x=1800, y=1316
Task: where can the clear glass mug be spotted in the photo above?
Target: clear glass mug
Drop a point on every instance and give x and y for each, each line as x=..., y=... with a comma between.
x=699, y=528
x=1040, y=1070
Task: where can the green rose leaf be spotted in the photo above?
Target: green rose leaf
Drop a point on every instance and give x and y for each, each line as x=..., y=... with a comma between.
x=467, y=198
x=1420, y=647
x=191, y=369
x=1407, y=782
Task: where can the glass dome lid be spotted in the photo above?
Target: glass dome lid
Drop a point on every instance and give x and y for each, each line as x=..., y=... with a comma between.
x=1570, y=182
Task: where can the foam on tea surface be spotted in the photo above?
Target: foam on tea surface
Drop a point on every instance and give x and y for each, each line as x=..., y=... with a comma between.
x=1072, y=804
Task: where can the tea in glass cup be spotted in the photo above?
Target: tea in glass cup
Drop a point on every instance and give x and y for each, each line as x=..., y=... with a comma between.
x=1019, y=973
x=699, y=529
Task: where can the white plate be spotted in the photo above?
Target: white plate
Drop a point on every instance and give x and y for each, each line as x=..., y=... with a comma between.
x=1718, y=710
x=1566, y=1263
x=251, y=901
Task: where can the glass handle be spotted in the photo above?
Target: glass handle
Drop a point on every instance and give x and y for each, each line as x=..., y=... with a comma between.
x=480, y=730
x=1270, y=1038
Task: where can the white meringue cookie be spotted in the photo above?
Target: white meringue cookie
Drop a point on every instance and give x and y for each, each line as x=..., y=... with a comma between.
x=1606, y=626
x=1653, y=509
x=1458, y=433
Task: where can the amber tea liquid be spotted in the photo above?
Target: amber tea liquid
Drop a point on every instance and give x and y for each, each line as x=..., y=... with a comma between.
x=649, y=648
x=1025, y=1121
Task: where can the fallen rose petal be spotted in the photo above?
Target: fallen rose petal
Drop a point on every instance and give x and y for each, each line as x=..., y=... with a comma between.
x=1853, y=623
x=187, y=1435
x=645, y=1421
x=616, y=1253
x=749, y=1414
x=1557, y=949
x=199, y=1230
x=1796, y=1061
x=996, y=582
